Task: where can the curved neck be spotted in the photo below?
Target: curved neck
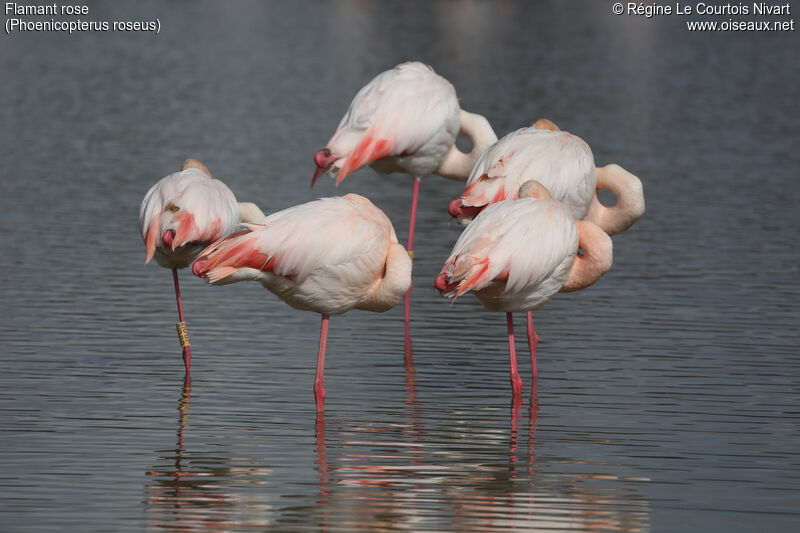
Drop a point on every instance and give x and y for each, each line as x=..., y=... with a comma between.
x=396, y=280
x=596, y=258
x=249, y=212
x=630, y=200
x=457, y=165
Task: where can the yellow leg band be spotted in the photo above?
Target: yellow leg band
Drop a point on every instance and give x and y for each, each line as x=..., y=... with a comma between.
x=183, y=333
x=411, y=254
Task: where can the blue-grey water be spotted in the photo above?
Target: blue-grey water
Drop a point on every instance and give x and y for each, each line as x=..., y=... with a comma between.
x=668, y=392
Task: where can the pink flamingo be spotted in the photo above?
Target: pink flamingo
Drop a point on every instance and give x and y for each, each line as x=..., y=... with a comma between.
x=405, y=120
x=328, y=256
x=182, y=214
x=518, y=254
x=564, y=164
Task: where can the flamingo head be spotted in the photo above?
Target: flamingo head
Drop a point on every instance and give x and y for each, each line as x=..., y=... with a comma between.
x=545, y=124
x=533, y=189
x=194, y=163
x=323, y=159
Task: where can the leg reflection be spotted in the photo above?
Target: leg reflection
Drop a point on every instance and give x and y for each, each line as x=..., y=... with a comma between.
x=533, y=414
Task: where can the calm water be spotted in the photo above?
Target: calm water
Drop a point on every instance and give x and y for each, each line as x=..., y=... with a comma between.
x=668, y=392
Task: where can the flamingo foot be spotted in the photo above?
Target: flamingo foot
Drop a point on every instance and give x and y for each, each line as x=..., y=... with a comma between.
x=516, y=386
x=319, y=396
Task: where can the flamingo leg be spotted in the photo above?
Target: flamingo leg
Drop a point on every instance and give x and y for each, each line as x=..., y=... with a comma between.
x=319, y=387
x=410, y=245
x=187, y=352
x=533, y=342
x=516, y=381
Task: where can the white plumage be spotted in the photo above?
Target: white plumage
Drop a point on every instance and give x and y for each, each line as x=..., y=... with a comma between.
x=405, y=120
x=529, y=244
x=196, y=207
x=517, y=254
x=560, y=161
x=329, y=256
x=407, y=110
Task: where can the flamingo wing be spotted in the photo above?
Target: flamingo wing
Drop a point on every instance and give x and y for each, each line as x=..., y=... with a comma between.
x=523, y=243
x=347, y=237
x=396, y=114
x=562, y=162
x=195, y=207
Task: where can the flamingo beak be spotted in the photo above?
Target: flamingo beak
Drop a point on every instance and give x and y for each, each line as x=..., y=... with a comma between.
x=197, y=267
x=317, y=173
x=323, y=159
x=458, y=210
x=454, y=208
x=169, y=238
x=442, y=284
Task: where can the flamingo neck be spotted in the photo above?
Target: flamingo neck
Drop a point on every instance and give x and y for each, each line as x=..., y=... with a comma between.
x=249, y=212
x=596, y=258
x=630, y=200
x=194, y=163
x=389, y=290
x=456, y=164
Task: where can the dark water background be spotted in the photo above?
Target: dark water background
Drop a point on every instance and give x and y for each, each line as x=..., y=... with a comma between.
x=668, y=392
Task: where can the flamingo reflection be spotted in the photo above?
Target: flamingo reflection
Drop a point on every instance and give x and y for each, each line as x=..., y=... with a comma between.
x=191, y=492
x=407, y=476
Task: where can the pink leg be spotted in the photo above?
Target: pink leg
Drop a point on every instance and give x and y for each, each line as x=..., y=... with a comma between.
x=533, y=342
x=187, y=352
x=411, y=223
x=516, y=381
x=319, y=387
x=410, y=245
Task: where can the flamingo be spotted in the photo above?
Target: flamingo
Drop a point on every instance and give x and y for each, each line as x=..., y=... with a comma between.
x=329, y=256
x=517, y=254
x=564, y=164
x=182, y=214
x=405, y=120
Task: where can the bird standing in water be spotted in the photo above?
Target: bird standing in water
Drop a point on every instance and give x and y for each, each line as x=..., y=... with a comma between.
x=517, y=254
x=564, y=164
x=328, y=256
x=182, y=214
x=405, y=120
